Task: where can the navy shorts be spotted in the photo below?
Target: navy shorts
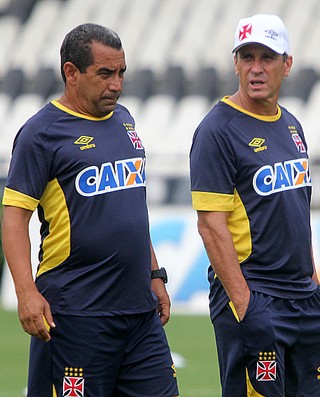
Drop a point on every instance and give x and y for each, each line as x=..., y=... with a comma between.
x=116, y=356
x=274, y=351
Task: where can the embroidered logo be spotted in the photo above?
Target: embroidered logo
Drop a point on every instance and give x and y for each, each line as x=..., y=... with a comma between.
x=257, y=143
x=299, y=143
x=132, y=134
x=318, y=373
x=135, y=140
x=271, y=34
x=73, y=382
x=266, y=367
x=245, y=32
x=84, y=142
x=297, y=139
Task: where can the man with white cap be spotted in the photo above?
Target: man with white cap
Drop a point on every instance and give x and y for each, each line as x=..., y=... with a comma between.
x=251, y=187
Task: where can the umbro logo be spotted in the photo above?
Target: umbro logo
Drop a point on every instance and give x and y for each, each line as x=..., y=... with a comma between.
x=271, y=34
x=84, y=142
x=258, y=144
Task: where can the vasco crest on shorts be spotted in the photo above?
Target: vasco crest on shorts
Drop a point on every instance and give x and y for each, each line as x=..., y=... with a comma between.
x=266, y=367
x=73, y=382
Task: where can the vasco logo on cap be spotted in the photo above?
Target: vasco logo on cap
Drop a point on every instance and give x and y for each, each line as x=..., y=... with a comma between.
x=245, y=32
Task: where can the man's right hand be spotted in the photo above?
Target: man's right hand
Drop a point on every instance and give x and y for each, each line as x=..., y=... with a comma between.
x=35, y=315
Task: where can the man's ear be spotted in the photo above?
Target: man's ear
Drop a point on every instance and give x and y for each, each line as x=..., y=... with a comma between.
x=71, y=72
x=288, y=65
x=235, y=60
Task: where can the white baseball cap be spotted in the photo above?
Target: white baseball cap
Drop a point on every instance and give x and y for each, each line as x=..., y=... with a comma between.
x=265, y=29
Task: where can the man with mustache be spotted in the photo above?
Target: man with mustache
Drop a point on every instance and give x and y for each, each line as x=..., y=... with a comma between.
x=99, y=299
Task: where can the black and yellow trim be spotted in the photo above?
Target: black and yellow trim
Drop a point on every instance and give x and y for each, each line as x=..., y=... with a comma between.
x=250, y=390
x=207, y=201
x=238, y=221
x=56, y=246
x=256, y=116
x=16, y=199
x=83, y=116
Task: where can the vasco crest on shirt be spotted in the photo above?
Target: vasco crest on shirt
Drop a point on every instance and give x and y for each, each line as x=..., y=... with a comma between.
x=135, y=140
x=132, y=134
x=297, y=139
x=299, y=143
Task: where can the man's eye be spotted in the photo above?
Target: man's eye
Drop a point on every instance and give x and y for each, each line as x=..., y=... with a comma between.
x=105, y=75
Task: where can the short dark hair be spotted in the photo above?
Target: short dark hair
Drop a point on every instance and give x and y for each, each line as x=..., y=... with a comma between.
x=76, y=46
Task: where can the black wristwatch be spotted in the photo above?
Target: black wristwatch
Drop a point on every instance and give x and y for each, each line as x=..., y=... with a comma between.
x=160, y=273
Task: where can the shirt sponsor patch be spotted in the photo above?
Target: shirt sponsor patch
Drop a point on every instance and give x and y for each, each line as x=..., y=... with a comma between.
x=292, y=174
x=123, y=174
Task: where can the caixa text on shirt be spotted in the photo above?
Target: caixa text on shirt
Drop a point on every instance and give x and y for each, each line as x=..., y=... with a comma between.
x=123, y=174
x=292, y=174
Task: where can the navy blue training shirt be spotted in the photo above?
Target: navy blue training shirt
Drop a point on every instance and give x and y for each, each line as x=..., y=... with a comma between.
x=86, y=177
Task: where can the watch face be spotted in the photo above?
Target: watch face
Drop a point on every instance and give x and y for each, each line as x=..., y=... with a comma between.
x=160, y=273
x=164, y=275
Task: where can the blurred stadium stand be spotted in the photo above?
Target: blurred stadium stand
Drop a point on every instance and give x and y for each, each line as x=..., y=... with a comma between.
x=179, y=64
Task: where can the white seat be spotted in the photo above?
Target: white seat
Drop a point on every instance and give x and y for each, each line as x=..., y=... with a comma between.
x=108, y=13
x=9, y=28
x=294, y=105
x=133, y=28
x=311, y=120
x=268, y=7
x=188, y=113
x=34, y=35
x=133, y=104
x=22, y=108
x=4, y=4
x=188, y=47
x=153, y=123
x=217, y=48
x=5, y=152
x=160, y=37
x=309, y=54
x=70, y=14
x=5, y=102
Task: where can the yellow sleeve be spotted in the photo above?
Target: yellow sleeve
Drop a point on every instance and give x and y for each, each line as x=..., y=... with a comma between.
x=207, y=201
x=17, y=199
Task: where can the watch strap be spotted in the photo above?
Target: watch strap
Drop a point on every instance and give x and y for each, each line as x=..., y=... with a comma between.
x=160, y=273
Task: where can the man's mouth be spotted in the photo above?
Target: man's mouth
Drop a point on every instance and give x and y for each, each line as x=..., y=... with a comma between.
x=256, y=83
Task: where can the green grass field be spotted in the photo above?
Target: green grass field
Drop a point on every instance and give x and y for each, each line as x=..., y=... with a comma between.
x=190, y=337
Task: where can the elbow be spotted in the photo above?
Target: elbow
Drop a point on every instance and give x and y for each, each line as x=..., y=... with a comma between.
x=203, y=229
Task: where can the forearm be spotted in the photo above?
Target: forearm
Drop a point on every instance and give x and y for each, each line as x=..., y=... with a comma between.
x=17, y=248
x=314, y=275
x=223, y=257
x=34, y=310
x=154, y=262
x=159, y=289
